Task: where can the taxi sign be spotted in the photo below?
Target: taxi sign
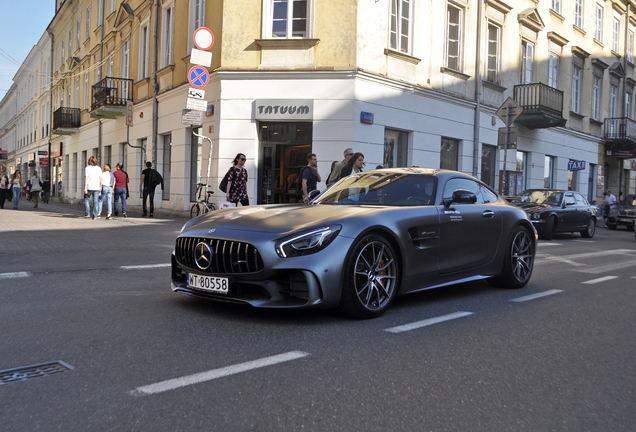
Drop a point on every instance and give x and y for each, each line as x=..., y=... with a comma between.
x=198, y=77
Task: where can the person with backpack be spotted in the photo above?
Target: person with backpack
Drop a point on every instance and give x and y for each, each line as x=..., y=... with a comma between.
x=236, y=190
x=150, y=178
x=309, y=177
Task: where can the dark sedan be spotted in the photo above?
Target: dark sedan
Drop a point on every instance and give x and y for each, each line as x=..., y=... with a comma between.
x=623, y=214
x=557, y=211
x=356, y=246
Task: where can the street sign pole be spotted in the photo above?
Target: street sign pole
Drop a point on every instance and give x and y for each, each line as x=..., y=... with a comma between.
x=508, y=112
x=501, y=180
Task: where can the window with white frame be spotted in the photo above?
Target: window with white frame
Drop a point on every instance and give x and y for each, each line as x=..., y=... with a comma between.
x=113, y=5
x=576, y=89
x=449, y=154
x=400, y=25
x=70, y=43
x=630, y=46
x=125, y=68
x=57, y=57
x=616, y=31
x=77, y=91
x=63, y=51
x=288, y=18
x=578, y=13
x=454, y=37
x=556, y=6
x=598, y=25
x=527, y=57
x=143, y=51
x=110, y=69
x=88, y=22
x=493, y=61
x=613, y=105
x=79, y=32
x=86, y=91
x=553, y=71
x=628, y=105
x=68, y=97
x=100, y=13
x=596, y=97
x=167, y=34
x=395, y=148
x=196, y=18
x=548, y=172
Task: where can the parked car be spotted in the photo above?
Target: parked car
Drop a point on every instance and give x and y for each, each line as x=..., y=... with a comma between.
x=356, y=246
x=623, y=214
x=553, y=211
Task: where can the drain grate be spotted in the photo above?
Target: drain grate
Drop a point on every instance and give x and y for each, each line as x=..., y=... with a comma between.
x=35, y=371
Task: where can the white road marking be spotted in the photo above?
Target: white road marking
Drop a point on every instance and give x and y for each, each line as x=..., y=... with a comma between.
x=599, y=280
x=535, y=296
x=585, y=241
x=216, y=373
x=15, y=275
x=570, y=258
x=609, y=267
x=427, y=322
x=549, y=244
x=148, y=266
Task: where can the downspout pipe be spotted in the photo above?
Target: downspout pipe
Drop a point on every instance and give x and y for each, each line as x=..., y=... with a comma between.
x=101, y=67
x=155, y=86
x=477, y=93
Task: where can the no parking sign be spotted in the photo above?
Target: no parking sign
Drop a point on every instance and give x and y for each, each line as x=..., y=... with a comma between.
x=198, y=76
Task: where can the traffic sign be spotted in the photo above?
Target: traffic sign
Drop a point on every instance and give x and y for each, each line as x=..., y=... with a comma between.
x=196, y=104
x=509, y=111
x=129, y=113
x=198, y=77
x=203, y=38
x=201, y=58
x=191, y=117
x=511, y=143
x=196, y=93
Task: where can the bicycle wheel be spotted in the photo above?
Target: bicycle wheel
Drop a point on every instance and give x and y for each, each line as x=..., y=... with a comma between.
x=211, y=207
x=204, y=208
x=195, y=210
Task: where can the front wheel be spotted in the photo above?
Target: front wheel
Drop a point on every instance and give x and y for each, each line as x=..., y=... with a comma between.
x=195, y=210
x=518, y=262
x=589, y=231
x=370, y=278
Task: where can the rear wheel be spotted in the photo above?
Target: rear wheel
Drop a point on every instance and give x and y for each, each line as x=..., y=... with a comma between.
x=195, y=210
x=589, y=231
x=518, y=262
x=370, y=278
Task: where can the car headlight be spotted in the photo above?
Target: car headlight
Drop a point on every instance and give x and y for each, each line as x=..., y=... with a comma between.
x=308, y=242
x=535, y=216
x=613, y=213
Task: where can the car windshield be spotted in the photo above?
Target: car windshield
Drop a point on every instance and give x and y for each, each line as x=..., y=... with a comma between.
x=630, y=200
x=382, y=188
x=541, y=197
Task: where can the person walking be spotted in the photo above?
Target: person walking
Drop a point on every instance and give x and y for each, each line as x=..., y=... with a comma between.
x=309, y=176
x=36, y=188
x=121, y=188
x=92, y=186
x=354, y=165
x=609, y=202
x=237, y=183
x=150, y=178
x=5, y=187
x=16, y=184
x=335, y=172
x=46, y=190
x=108, y=181
x=333, y=165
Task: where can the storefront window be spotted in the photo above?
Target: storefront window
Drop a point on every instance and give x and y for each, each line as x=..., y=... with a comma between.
x=488, y=164
x=395, y=148
x=449, y=154
x=196, y=147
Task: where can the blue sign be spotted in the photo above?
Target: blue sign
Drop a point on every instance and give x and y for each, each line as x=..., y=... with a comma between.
x=198, y=77
x=366, y=117
x=576, y=165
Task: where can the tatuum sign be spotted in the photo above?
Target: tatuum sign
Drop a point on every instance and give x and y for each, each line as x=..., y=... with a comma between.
x=56, y=149
x=283, y=109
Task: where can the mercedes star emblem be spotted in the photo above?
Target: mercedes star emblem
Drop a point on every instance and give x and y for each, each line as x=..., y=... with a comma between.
x=203, y=255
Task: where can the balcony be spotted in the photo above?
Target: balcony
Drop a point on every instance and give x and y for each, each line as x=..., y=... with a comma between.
x=542, y=106
x=66, y=121
x=110, y=96
x=620, y=137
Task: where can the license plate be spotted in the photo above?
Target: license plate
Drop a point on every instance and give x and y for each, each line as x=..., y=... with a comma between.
x=213, y=284
x=626, y=220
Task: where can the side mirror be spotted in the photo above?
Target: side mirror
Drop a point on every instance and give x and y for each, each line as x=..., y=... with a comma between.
x=570, y=203
x=462, y=196
x=313, y=194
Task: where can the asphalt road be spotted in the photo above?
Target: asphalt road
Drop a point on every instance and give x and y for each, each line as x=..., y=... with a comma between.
x=557, y=355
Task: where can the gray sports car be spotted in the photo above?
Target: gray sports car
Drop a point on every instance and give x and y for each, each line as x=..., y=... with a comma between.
x=357, y=245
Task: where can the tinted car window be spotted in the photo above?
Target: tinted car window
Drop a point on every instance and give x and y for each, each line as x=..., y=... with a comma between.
x=489, y=196
x=580, y=200
x=569, y=198
x=459, y=183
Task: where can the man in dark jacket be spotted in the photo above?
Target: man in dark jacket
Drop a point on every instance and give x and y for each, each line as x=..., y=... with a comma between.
x=150, y=178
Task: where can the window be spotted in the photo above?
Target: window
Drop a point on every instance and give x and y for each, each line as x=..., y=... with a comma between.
x=77, y=88
x=111, y=66
x=167, y=157
x=616, y=30
x=630, y=46
x=613, y=106
x=598, y=26
x=576, y=89
x=85, y=104
x=123, y=156
x=395, y=148
x=553, y=71
x=453, y=37
x=596, y=97
x=556, y=6
x=113, y=5
x=522, y=167
x=459, y=183
x=70, y=42
x=578, y=13
x=167, y=38
x=57, y=65
x=125, y=68
x=628, y=105
x=79, y=32
x=143, y=52
x=488, y=164
x=196, y=19
x=400, y=30
x=63, y=51
x=527, y=55
x=196, y=146
x=289, y=18
x=492, y=65
x=548, y=173
x=100, y=13
x=573, y=179
x=88, y=22
x=449, y=154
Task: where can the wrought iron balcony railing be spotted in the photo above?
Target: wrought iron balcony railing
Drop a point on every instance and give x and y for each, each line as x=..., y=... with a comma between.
x=620, y=128
x=539, y=97
x=66, y=118
x=112, y=92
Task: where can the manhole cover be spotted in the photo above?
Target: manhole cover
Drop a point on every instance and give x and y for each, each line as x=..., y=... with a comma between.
x=35, y=371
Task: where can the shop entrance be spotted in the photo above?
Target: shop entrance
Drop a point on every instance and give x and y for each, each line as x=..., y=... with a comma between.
x=284, y=150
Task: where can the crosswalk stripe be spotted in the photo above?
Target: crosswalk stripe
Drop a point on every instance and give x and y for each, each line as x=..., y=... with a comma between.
x=15, y=275
x=427, y=322
x=599, y=280
x=535, y=296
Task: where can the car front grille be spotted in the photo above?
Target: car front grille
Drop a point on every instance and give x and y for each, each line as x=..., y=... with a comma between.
x=627, y=212
x=228, y=256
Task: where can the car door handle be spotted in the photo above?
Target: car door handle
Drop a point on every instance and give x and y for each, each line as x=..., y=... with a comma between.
x=488, y=214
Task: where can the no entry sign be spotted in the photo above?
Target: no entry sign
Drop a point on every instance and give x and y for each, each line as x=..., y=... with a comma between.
x=203, y=38
x=198, y=77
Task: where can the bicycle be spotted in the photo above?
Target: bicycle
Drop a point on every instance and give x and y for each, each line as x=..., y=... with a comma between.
x=202, y=206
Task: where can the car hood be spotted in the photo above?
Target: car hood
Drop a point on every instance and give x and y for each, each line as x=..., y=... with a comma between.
x=624, y=207
x=534, y=207
x=279, y=219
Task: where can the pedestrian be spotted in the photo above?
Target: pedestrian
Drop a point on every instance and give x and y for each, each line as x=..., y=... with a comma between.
x=354, y=165
x=335, y=173
x=108, y=181
x=237, y=182
x=121, y=188
x=92, y=186
x=333, y=165
x=150, y=178
x=36, y=188
x=608, y=203
x=27, y=189
x=46, y=190
x=309, y=176
x=5, y=187
x=16, y=183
